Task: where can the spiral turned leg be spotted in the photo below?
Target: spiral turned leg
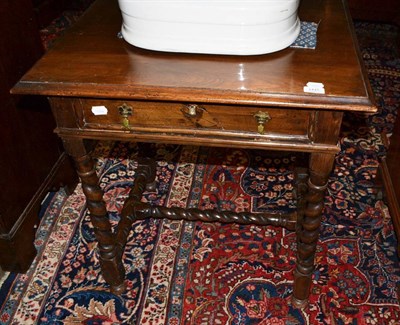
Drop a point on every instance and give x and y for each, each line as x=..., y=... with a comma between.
x=110, y=257
x=308, y=226
x=147, y=160
x=144, y=180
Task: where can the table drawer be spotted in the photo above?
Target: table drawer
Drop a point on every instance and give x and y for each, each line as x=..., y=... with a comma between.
x=191, y=118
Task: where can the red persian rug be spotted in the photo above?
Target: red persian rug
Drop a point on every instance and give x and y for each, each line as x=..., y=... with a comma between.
x=207, y=273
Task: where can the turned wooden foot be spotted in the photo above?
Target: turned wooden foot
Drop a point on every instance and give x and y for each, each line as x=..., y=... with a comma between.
x=151, y=187
x=118, y=289
x=299, y=304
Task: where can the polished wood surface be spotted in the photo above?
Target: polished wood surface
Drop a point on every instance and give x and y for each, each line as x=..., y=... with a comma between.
x=230, y=101
x=92, y=54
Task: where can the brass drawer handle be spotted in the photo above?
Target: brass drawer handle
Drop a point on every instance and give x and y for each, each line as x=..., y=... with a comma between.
x=192, y=110
x=125, y=111
x=261, y=118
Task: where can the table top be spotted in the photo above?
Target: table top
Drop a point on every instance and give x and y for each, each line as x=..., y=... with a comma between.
x=91, y=61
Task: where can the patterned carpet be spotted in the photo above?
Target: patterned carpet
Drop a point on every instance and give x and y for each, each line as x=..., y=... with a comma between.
x=202, y=273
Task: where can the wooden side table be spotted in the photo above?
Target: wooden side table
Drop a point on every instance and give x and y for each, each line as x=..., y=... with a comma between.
x=100, y=87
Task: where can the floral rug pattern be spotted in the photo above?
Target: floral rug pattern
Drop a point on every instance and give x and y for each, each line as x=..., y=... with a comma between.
x=207, y=273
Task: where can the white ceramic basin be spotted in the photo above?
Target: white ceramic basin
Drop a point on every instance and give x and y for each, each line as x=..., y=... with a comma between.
x=238, y=27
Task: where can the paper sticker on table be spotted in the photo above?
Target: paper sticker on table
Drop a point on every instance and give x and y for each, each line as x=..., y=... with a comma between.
x=314, y=88
x=99, y=110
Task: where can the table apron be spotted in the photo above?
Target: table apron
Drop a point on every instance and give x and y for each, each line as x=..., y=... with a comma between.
x=185, y=139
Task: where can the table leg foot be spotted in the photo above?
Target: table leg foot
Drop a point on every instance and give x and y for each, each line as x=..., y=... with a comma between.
x=118, y=289
x=147, y=167
x=299, y=303
x=151, y=187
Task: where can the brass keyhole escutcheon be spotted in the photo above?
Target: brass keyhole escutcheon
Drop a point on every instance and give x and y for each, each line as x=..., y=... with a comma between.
x=261, y=118
x=125, y=111
x=192, y=110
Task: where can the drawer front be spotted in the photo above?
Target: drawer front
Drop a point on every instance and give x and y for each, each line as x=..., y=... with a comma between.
x=187, y=118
